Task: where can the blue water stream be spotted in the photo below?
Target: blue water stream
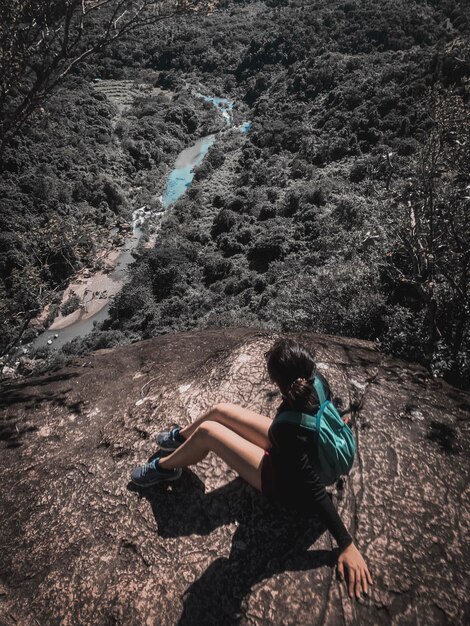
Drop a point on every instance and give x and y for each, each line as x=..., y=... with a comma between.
x=180, y=178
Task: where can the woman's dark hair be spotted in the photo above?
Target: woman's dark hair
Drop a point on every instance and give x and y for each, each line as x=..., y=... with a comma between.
x=291, y=366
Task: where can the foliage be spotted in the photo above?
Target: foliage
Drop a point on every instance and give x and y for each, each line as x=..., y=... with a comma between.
x=70, y=305
x=318, y=218
x=430, y=263
x=66, y=184
x=41, y=42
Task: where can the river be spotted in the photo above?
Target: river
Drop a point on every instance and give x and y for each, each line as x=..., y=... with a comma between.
x=82, y=321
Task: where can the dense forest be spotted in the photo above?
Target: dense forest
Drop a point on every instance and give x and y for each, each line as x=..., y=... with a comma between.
x=344, y=210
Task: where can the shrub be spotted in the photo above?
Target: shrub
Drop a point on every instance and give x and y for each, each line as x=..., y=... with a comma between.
x=223, y=222
x=228, y=244
x=267, y=247
x=70, y=305
x=215, y=269
x=267, y=212
x=358, y=171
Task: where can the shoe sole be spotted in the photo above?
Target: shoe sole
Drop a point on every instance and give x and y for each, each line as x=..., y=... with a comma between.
x=159, y=480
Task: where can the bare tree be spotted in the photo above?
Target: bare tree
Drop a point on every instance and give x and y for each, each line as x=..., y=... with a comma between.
x=433, y=251
x=41, y=41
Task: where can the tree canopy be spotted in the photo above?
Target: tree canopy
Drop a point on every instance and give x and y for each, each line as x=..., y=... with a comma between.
x=41, y=41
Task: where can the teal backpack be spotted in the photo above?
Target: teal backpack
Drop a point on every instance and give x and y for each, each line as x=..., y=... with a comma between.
x=334, y=439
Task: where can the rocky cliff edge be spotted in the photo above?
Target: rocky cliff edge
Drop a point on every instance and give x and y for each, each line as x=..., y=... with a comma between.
x=79, y=546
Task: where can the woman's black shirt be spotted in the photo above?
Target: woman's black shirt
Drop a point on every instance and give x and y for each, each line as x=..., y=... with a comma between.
x=297, y=481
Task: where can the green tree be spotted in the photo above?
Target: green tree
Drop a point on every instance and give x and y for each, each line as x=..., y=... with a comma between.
x=431, y=258
x=54, y=254
x=41, y=42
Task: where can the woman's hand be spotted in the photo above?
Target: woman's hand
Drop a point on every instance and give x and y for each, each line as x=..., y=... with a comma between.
x=356, y=569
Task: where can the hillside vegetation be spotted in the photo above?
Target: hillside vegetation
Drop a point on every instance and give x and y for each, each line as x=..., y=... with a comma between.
x=344, y=210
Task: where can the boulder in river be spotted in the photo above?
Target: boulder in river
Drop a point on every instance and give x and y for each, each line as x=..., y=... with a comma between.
x=80, y=545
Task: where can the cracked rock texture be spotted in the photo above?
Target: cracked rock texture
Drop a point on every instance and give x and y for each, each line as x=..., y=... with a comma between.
x=79, y=546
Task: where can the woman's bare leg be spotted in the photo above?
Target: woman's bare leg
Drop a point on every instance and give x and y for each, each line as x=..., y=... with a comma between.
x=240, y=454
x=248, y=424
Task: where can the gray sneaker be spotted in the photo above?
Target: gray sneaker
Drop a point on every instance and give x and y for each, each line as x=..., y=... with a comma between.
x=169, y=440
x=150, y=474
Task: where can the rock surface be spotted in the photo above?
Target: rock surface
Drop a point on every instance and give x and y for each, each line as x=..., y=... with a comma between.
x=79, y=546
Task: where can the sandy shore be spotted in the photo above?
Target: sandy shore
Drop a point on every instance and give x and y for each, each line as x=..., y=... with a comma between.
x=93, y=289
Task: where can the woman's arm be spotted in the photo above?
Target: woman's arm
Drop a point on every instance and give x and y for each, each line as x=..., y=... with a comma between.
x=352, y=568
x=312, y=491
x=306, y=487
x=300, y=480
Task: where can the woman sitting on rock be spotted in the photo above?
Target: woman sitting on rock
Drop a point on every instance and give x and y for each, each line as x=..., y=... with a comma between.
x=276, y=457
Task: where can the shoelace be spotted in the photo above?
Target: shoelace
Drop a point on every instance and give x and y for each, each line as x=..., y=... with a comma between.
x=147, y=467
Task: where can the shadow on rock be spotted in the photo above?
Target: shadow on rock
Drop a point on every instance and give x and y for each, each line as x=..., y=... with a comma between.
x=27, y=390
x=269, y=539
x=12, y=428
x=445, y=436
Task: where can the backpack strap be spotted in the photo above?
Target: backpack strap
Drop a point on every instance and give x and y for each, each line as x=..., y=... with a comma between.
x=320, y=390
x=321, y=395
x=299, y=419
